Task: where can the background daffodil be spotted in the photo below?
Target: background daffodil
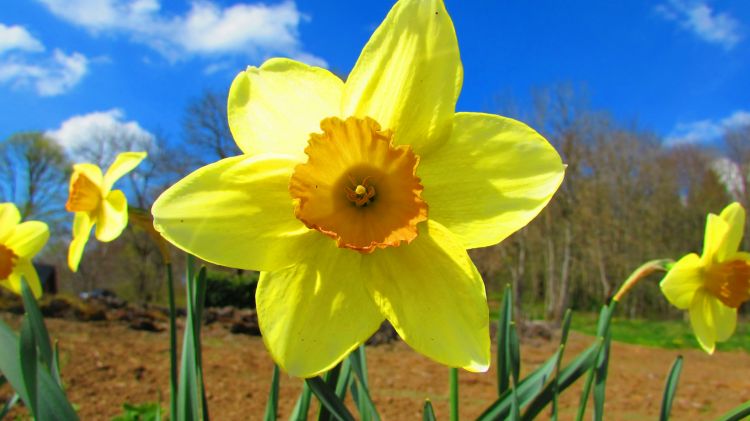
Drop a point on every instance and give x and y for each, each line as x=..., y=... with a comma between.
x=711, y=287
x=19, y=243
x=95, y=203
x=358, y=200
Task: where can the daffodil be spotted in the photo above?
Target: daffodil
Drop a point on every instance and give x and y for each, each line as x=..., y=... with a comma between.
x=358, y=200
x=19, y=243
x=95, y=203
x=712, y=286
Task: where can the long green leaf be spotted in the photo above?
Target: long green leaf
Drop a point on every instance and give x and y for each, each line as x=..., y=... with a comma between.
x=737, y=413
x=563, y=342
x=172, y=343
x=580, y=365
x=199, y=300
x=602, y=329
x=9, y=405
x=9, y=363
x=361, y=394
x=328, y=398
x=600, y=377
x=188, y=389
x=428, y=414
x=505, y=316
x=454, y=393
x=670, y=389
x=302, y=407
x=41, y=335
x=272, y=406
x=29, y=361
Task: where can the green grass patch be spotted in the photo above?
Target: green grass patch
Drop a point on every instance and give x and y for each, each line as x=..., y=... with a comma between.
x=670, y=334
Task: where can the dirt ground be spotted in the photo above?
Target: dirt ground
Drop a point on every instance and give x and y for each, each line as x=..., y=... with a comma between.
x=106, y=364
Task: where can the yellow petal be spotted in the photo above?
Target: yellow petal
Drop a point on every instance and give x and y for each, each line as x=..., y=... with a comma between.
x=82, y=225
x=409, y=75
x=9, y=218
x=113, y=216
x=734, y=216
x=314, y=313
x=434, y=297
x=712, y=321
x=274, y=108
x=91, y=171
x=682, y=281
x=124, y=163
x=717, y=230
x=24, y=268
x=490, y=179
x=28, y=239
x=236, y=212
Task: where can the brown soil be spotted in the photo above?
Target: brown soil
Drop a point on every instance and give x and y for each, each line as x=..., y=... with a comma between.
x=105, y=364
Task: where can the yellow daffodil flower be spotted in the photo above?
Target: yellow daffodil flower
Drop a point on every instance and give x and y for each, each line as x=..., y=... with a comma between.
x=358, y=200
x=19, y=243
x=711, y=287
x=95, y=203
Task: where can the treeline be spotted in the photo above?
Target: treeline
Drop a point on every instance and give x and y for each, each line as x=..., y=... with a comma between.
x=626, y=198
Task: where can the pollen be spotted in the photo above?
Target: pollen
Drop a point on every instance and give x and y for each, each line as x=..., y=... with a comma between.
x=7, y=261
x=357, y=187
x=84, y=194
x=730, y=282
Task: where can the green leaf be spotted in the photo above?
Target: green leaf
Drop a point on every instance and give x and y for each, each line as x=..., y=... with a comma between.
x=272, y=407
x=602, y=331
x=454, y=393
x=600, y=377
x=331, y=378
x=9, y=363
x=191, y=398
x=563, y=341
x=580, y=365
x=41, y=335
x=28, y=358
x=302, y=407
x=328, y=398
x=505, y=317
x=670, y=389
x=361, y=394
x=428, y=414
x=738, y=413
x=9, y=405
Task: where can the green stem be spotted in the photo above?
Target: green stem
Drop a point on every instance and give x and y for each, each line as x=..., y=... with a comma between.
x=172, y=345
x=643, y=271
x=454, y=394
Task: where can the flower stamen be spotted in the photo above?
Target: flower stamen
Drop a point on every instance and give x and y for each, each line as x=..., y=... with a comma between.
x=362, y=194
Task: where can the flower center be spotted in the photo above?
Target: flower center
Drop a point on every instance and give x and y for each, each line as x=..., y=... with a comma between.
x=7, y=261
x=84, y=194
x=730, y=282
x=357, y=187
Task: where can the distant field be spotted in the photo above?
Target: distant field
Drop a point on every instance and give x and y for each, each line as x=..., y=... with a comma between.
x=670, y=334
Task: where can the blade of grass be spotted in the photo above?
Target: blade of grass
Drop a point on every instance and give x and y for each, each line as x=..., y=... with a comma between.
x=361, y=394
x=556, y=381
x=670, y=389
x=602, y=328
x=302, y=407
x=454, y=393
x=28, y=358
x=428, y=414
x=272, y=407
x=327, y=398
x=738, y=413
x=41, y=335
x=9, y=405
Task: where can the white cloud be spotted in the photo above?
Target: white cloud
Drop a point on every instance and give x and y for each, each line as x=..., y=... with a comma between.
x=699, y=18
x=706, y=130
x=98, y=136
x=206, y=29
x=17, y=38
x=48, y=76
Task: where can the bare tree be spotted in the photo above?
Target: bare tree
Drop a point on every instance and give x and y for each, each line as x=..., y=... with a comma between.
x=206, y=128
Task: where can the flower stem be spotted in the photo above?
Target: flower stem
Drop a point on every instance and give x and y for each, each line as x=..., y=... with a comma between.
x=172, y=345
x=643, y=271
x=454, y=394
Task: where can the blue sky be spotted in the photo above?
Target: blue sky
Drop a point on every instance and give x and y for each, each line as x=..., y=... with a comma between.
x=677, y=67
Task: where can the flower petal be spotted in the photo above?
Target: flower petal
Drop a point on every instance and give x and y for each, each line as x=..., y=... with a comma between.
x=236, y=212
x=82, y=225
x=28, y=239
x=91, y=171
x=124, y=163
x=717, y=230
x=316, y=312
x=274, y=108
x=683, y=281
x=112, y=217
x=734, y=216
x=24, y=268
x=712, y=321
x=490, y=179
x=409, y=75
x=9, y=218
x=434, y=297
